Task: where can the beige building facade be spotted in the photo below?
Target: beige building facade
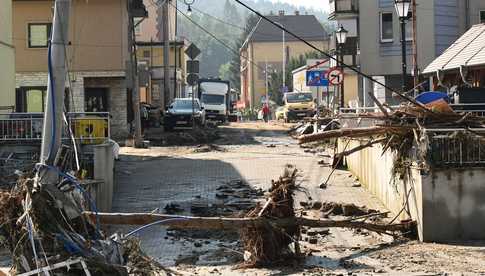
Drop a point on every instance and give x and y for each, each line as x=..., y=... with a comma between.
x=96, y=57
x=265, y=45
x=7, y=58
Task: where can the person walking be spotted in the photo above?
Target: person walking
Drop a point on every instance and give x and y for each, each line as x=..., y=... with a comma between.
x=266, y=112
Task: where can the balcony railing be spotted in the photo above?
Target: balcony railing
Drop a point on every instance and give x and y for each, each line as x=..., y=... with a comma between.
x=87, y=127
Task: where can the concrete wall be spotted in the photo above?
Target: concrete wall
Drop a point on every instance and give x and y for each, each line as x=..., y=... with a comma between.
x=454, y=204
x=448, y=204
x=103, y=170
x=7, y=55
x=98, y=33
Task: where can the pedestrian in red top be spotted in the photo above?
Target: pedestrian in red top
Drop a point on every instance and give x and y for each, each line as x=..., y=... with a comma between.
x=266, y=112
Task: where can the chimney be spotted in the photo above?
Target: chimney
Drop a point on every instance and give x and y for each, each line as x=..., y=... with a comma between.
x=297, y=13
x=281, y=13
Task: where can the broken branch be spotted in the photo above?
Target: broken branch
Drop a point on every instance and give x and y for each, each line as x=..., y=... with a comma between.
x=352, y=133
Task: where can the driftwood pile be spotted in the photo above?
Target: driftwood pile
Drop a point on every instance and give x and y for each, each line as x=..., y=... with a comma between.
x=265, y=244
x=396, y=130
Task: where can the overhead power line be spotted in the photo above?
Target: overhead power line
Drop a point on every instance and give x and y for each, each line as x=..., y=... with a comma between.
x=401, y=94
x=243, y=28
x=234, y=51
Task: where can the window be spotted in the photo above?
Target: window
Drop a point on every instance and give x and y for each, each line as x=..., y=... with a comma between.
x=482, y=16
x=386, y=27
x=146, y=54
x=39, y=34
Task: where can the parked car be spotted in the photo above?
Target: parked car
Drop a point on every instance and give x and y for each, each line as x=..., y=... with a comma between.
x=182, y=112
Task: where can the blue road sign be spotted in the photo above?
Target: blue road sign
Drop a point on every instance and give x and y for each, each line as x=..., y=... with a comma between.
x=316, y=78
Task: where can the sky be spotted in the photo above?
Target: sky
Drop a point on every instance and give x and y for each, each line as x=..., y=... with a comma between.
x=316, y=4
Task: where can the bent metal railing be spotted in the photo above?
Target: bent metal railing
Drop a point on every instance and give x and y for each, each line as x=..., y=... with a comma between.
x=87, y=127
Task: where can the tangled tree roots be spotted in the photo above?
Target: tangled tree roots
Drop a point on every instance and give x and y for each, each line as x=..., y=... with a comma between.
x=267, y=244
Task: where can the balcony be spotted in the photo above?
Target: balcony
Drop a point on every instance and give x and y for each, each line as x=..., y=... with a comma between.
x=343, y=9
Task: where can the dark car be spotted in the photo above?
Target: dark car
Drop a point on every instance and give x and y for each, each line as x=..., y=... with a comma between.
x=183, y=112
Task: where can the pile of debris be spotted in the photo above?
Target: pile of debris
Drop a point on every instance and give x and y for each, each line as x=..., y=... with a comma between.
x=398, y=130
x=45, y=231
x=266, y=244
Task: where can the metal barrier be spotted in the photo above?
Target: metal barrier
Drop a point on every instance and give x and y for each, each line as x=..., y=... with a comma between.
x=456, y=147
x=477, y=109
x=87, y=127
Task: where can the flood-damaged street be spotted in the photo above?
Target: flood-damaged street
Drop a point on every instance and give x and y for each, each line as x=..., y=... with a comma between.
x=242, y=137
x=228, y=176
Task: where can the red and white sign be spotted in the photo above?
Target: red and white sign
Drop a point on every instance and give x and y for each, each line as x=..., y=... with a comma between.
x=335, y=76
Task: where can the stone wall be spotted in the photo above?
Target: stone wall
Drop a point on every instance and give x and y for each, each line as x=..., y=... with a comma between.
x=117, y=103
x=114, y=81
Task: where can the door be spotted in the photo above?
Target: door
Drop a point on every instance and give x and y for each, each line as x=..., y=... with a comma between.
x=96, y=99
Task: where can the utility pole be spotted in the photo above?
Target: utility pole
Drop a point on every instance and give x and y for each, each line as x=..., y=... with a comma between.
x=415, y=48
x=175, y=86
x=54, y=106
x=166, y=53
x=133, y=77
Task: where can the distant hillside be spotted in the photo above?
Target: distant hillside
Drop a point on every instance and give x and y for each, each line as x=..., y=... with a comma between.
x=226, y=19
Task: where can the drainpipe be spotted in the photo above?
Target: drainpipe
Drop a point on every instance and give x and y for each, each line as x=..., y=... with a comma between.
x=467, y=14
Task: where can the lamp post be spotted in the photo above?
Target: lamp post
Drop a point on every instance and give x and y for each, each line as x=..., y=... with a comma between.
x=402, y=9
x=189, y=8
x=341, y=35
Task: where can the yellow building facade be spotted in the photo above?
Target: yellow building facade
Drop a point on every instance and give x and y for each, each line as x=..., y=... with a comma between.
x=7, y=58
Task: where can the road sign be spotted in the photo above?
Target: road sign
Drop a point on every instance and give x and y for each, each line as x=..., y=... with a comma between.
x=192, y=51
x=335, y=76
x=192, y=66
x=192, y=79
x=316, y=78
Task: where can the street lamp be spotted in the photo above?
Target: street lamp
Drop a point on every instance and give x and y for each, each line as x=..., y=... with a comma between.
x=402, y=9
x=189, y=8
x=341, y=35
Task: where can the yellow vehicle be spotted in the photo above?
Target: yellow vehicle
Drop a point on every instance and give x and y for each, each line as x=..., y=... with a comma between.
x=298, y=105
x=280, y=113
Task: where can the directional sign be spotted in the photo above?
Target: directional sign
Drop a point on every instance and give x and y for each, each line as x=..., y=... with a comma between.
x=193, y=66
x=192, y=79
x=335, y=76
x=316, y=78
x=192, y=51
